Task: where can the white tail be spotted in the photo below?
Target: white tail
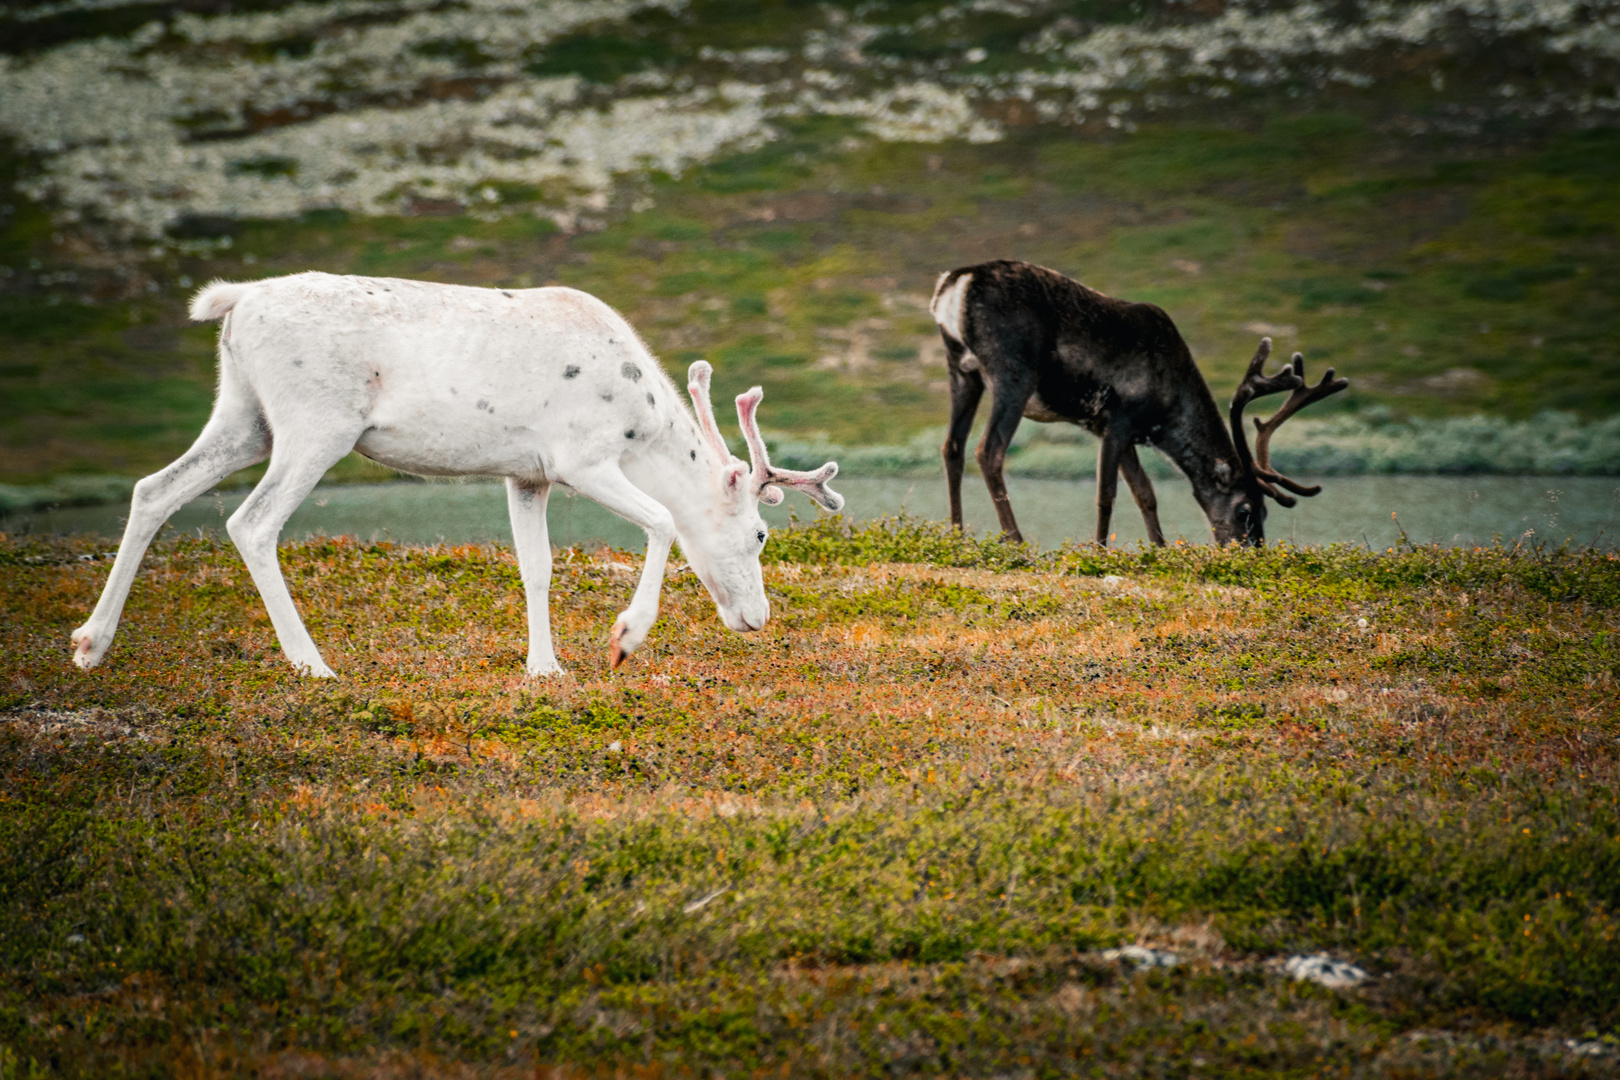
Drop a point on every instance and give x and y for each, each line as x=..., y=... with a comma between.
x=215, y=299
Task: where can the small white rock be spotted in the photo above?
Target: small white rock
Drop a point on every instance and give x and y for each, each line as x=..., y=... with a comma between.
x=1588, y=1047
x=615, y=747
x=1323, y=970
x=1142, y=957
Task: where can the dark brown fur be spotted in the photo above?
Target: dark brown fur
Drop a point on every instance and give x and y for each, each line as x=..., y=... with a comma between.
x=1050, y=348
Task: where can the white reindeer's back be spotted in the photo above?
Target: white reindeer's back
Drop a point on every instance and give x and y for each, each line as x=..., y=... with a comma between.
x=447, y=379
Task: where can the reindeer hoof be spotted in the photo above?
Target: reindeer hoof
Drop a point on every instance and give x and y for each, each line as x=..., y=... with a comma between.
x=83, y=645
x=616, y=653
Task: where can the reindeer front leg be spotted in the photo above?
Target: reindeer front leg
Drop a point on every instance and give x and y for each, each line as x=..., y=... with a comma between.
x=1142, y=491
x=1116, y=438
x=609, y=487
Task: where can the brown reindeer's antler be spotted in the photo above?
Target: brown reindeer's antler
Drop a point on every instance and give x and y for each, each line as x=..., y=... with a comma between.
x=1256, y=385
x=767, y=477
x=697, y=384
x=1302, y=396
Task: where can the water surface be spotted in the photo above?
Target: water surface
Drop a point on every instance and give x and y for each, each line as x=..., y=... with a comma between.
x=1363, y=510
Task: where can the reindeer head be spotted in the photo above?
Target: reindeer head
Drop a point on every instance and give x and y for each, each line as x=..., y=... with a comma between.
x=1238, y=511
x=724, y=549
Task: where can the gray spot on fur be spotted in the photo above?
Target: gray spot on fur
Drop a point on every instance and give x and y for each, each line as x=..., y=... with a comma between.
x=630, y=434
x=651, y=400
x=570, y=371
x=483, y=404
x=607, y=397
x=630, y=371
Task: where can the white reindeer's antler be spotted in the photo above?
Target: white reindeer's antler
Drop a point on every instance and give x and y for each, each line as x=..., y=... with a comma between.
x=697, y=384
x=766, y=476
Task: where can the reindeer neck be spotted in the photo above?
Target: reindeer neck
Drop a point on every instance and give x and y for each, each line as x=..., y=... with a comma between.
x=664, y=466
x=1197, y=440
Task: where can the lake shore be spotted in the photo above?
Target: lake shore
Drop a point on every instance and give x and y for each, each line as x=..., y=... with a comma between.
x=1375, y=512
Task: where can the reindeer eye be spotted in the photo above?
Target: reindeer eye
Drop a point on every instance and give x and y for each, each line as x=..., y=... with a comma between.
x=760, y=535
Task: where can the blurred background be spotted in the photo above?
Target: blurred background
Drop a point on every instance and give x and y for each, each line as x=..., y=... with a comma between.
x=1422, y=195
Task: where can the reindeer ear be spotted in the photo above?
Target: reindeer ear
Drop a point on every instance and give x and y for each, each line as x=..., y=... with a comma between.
x=734, y=477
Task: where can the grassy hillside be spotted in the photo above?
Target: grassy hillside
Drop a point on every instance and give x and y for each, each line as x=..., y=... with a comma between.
x=899, y=829
x=1434, y=217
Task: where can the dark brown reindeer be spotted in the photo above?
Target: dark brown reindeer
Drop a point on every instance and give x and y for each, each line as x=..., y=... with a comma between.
x=1051, y=349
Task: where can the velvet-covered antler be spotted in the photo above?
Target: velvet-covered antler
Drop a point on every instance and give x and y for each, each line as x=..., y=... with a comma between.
x=697, y=384
x=1303, y=395
x=769, y=480
x=1254, y=385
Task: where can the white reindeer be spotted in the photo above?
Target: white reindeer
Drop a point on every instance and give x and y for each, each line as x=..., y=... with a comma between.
x=540, y=386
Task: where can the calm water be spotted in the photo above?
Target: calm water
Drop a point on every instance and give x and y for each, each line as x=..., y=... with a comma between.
x=1354, y=509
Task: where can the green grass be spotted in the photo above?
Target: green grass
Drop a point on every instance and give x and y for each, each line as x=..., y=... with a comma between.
x=1488, y=283
x=898, y=826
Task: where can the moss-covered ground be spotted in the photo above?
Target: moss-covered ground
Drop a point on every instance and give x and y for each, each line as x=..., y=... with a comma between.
x=893, y=833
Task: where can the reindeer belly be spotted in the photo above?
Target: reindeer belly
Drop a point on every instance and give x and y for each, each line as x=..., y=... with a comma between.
x=1071, y=396
x=430, y=450
x=468, y=431
x=1037, y=409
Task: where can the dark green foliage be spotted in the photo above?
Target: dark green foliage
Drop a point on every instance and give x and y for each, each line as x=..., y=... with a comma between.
x=1589, y=575
x=266, y=167
x=33, y=318
x=601, y=58
x=1516, y=284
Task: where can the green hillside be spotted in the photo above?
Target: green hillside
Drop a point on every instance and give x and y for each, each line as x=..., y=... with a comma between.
x=1446, y=239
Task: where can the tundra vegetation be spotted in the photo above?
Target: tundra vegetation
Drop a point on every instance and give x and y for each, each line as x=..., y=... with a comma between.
x=898, y=830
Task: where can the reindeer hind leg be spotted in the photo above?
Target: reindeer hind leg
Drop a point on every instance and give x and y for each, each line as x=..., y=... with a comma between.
x=1006, y=410
x=297, y=463
x=234, y=438
x=967, y=387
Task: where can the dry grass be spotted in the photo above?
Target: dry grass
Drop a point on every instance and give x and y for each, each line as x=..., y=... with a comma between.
x=890, y=833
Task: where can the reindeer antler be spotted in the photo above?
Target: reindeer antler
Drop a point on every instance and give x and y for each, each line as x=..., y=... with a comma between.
x=766, y=476
x=1302, y=396
x=1254, y=385
x=697, y=384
